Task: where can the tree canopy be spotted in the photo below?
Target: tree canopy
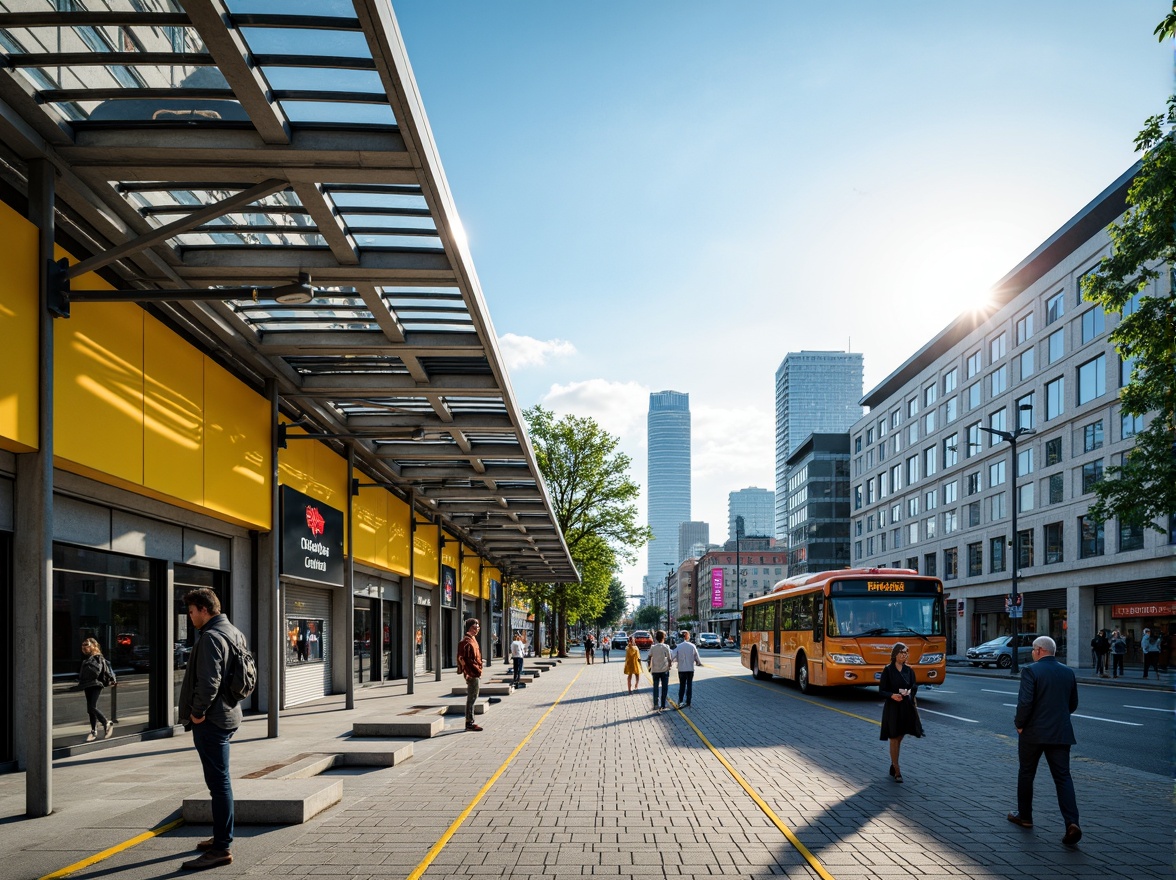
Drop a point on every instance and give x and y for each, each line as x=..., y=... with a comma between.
x=594, y=501
x=1129, y=281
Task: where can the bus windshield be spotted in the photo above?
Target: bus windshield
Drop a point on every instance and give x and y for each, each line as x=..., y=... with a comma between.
x=885, y=616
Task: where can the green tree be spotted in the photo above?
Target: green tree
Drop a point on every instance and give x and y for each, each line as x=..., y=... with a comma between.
x=1143, y=487
x=648, y=616
x=615, y=604
x=595, y=505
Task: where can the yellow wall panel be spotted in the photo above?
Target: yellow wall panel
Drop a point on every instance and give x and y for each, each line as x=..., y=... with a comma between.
x=173, y=414
x=314, y=469
x=469, y=574
x=370, y=509
x=98, y=386
x=398, y=530
x=296, y=463
x=490, y=573
x=424, y=546
x=236, y=448
x=19, y=307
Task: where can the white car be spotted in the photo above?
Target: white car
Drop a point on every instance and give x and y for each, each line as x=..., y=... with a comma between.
x=709, y=640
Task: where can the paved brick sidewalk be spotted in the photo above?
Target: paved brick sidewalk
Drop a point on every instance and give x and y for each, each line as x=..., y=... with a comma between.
x=605, y=788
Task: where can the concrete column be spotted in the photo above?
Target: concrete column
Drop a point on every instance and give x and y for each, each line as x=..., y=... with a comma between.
x=1079, y=627
x=349, y=585
x=435, y=614
x=408, y=603
x=33, y=541
x=270, y=593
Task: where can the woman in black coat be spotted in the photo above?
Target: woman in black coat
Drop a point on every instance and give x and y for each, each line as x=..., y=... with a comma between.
x=900, y=715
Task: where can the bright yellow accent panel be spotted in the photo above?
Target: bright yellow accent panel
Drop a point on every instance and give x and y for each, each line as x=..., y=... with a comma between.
x=236, y=448
x=469, y=574
x=173, y=414
x=98, y=386
x=489, y=574
x=398, y=530
x=424, y=545
x=370, y=509
x=19, y=279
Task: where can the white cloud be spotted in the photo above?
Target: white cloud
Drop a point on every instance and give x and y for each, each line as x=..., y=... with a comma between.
x=520, y=352
x=619, y=407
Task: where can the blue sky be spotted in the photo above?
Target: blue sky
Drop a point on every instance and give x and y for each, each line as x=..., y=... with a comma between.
x=676, y=194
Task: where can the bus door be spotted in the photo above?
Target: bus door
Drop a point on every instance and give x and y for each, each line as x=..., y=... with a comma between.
x=776, y=633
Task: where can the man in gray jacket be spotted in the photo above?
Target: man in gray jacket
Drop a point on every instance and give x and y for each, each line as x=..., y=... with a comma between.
x=207, y=710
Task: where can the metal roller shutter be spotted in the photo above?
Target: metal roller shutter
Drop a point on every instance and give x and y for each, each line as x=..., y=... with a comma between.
x=1144, y=590
x=309, y=681
x=1045, y=599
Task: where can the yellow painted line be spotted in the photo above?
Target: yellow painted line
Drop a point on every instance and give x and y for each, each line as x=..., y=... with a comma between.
x=107, y=853
x=435, y=850
x=813, y=861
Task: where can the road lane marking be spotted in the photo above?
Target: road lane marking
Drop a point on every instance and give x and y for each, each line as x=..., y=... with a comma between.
x=945, y=715
x=1005, y=693
x=775, y=690
x=436, y=848
x=107, y=853
x=1107, y=720
x=813, y=861
x=1149, y=708
x=1094, y=718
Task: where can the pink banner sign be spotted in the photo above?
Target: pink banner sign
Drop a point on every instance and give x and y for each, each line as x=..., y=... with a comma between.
x=716, y=588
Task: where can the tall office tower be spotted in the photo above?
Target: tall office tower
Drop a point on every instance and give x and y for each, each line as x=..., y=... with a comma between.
x=691, y=534
x=669, y=478
x=817, y=392
x=758, y=509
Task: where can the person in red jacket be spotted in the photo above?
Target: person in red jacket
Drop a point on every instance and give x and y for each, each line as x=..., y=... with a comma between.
x=469, y=664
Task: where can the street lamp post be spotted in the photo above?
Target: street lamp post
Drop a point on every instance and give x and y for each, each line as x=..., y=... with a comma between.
x=738, y=581
x=1015, y=598
x=669, y=573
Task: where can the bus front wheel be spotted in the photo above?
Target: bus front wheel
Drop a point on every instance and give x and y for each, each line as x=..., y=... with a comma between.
x=802, y=676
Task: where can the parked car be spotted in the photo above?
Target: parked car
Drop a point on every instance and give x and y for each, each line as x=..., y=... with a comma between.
x=999, y=652
x=709, y=640
x=642, y=639
x=620, y=641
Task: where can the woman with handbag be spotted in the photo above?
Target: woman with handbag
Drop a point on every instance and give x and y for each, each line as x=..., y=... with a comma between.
x=900, y=715
x=93, y=675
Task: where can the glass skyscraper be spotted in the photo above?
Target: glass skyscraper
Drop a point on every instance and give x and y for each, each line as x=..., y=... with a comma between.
x=817, y=392
x=669, y=478
x=758, y=509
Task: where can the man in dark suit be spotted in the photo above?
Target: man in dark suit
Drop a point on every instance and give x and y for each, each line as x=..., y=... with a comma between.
x=1049, y=694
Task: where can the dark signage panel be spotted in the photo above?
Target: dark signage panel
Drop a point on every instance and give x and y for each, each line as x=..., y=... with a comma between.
x=312, y=539
x=448, y=587
x=495, y=596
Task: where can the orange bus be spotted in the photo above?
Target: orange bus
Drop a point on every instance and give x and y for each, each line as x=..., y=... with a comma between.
x=838, y=627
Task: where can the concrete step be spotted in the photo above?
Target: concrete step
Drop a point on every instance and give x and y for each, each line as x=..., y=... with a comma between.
x=270, y=801
x=422, y=726
x=359, y=754
x=489, y=690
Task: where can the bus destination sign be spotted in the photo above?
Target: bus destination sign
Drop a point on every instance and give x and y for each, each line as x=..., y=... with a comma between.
x=885, y=586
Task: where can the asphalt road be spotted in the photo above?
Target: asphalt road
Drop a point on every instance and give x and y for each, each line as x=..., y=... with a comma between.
x=1128, y=727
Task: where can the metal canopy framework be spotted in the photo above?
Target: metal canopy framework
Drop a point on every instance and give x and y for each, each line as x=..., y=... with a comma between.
x=282, y=144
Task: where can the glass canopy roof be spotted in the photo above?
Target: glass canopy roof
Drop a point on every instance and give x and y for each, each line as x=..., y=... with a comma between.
x=260, y=143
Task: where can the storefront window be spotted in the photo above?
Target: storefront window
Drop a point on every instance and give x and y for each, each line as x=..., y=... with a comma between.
x=304, y=640
x=109, y=598
x=187, y=578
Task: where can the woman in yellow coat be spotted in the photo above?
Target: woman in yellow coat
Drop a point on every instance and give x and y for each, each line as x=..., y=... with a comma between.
x=632, y=665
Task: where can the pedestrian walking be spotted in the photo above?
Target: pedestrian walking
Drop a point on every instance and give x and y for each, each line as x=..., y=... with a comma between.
x=469, y=664
x=206, y=709
x=686, y=657
x=632, y=666
x=1118, y=653
x=1150, y=645
x=605, y=644
x=589, y=649
x=660, y=660
x=900, y=713
x=1047, y=698
x=1101, y=646
x=94, y=674
x=518, y=650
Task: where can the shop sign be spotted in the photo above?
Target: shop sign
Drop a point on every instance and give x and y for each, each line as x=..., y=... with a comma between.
x=1144, y=609
x=717, y=587
x=312, y=539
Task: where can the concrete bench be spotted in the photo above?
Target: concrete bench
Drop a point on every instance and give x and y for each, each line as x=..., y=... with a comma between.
x=490, y=690
x=351, y=755
x=270, y=801
x=422, y=726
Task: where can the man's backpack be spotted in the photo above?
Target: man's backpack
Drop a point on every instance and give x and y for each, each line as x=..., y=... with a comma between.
x=241, y=675
x=106, y=676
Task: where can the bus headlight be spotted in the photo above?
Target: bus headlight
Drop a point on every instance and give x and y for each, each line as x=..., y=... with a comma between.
x=931, y=658
x=848, y=659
